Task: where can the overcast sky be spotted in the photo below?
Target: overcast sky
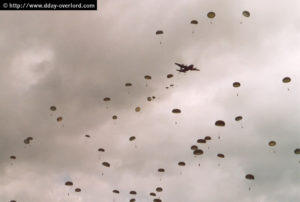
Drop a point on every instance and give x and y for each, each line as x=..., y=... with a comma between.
x=73, y=59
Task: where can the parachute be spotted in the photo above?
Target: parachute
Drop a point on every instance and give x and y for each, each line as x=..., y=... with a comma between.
x=211, y=14
x=152, y=194
x=161, y=170
x=297, y=151
x=238, y=118
x=220, y=123
x=246, y=14
x=159, y=189
x=53, y=108
x=128, y=84
x=13, y=157
x=147, y=77
x=272, y=143
x=181, y=163
x=236, y=84
x=194, y=22
x=116, y=191
x=249, y=177
x=158, y=32
x=59, y=119
x=132, y=192
x=106, y=164
x=69, y=183
x=114, y=117
x=207, y=138
x=106, y=99
x=132, y=138
x=198, y=152
x=221, y=156
x=77, y=190
x=137, y=109
x=169, y=76
x=194, y=147
x=176, y=111
x=201, y=141
x=27, y=140
x=101, y=150
x=286, y=80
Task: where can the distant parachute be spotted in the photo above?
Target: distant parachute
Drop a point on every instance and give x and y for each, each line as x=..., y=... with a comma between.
x=27, y=140
x=221, y=156
x=159, y=189
x=114, y=117
x=152, y=194
x=181, y=163
x=161, y=170
x=52, y=108
x=297, y=151
x=116, y=191
x=137, y=109
x=132, y=138
x=128, y=85
x=211, y=14
x=194, y=147
x=59, y=119
x=147, y=77
x=158, y=32
x=286, y=80
x=236, y=84
x=157, y=200
x=207, y=138
x=106, y=99
x=132, y=192
x=101, y=150
x=246, y=14
x=198, y=152
x=88, y=136
x=77, y=190
x=249, y=177
x=220, y=123
x=238, y=118
x=69, y=183
x=132, y=200
x=106, y=164
x=176, y=111
x=169, y=76
x=201, y=141
x=13, y=157
x=194, y=22
x=272, y=143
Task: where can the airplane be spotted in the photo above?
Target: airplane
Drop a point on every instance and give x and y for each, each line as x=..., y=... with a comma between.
x=185, y=68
